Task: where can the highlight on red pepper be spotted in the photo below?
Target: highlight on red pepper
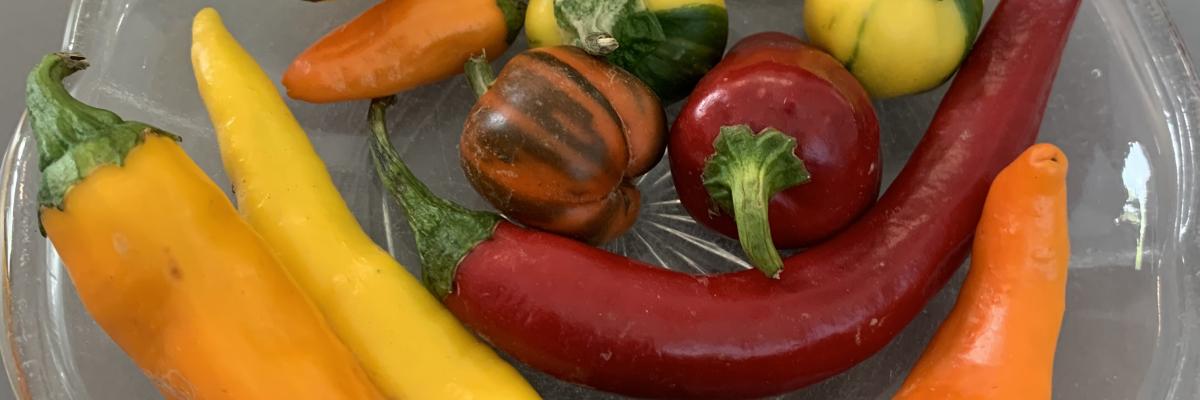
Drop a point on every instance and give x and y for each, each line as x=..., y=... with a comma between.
x=588, y=316
x=556, y=140
x=397, y=45
x=774, y=81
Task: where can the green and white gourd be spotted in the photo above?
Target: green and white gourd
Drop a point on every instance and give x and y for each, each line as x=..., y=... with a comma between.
x=668, y=44
x=895, y=47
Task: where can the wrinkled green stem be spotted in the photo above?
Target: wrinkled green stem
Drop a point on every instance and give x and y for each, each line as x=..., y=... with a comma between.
x=745, y=171
x=59, y=119
x=445, y=232
x=751, y=198
x=600, y=44
x=600, y=27
x=73, y=138
x=480, y=74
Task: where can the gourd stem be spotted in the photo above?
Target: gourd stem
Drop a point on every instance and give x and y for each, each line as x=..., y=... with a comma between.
x=600, y=44
x=480, y=74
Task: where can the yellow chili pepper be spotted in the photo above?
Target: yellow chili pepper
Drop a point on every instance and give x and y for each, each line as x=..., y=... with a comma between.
x=412, y=347
x=163, y=262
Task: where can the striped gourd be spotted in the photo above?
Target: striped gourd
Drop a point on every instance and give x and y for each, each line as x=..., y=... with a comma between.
x=556, y=139
x=669, y=44
x=895, y=47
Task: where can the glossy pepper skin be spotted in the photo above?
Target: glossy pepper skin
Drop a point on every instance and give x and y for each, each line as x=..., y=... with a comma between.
x=165, y=266
x=556, y=140
x=773, y=80
x=592, y=317
x=999, y=341
x=397, y=45
x=412, y=347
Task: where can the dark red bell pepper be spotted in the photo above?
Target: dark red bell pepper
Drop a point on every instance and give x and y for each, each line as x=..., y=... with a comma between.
x=774, y=81
x=619, y=325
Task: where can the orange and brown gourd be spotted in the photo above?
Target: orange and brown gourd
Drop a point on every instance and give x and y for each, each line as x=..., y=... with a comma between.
x=557, y=140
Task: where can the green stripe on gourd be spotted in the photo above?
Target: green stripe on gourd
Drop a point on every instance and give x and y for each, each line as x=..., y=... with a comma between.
x=695, y=44
x=849, y=61
x=896, y=47
x=514, y=16
x=669, y=44
x=972, y=16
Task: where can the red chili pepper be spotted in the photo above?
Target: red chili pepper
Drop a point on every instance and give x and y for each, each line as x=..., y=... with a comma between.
x=619, y=325
x=774, y=81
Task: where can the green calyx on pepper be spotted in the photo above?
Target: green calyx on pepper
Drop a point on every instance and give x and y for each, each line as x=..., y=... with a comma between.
x=745, y=171
x=73, y=138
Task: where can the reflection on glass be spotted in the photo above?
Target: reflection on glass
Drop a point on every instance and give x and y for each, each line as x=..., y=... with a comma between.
x=1136, y=177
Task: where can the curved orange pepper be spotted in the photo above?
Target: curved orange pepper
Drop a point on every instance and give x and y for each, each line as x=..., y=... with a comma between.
x=999, y=341
x=398, y=45
x=164, y=263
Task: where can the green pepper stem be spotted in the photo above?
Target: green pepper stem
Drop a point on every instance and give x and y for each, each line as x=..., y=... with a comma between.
x=49, y=101
x=445, y=232
x=745, y=171
x=480, y=74
x=751, y=200
x=74, y=139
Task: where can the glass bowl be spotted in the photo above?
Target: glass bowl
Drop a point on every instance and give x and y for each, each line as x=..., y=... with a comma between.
x=1125, y=108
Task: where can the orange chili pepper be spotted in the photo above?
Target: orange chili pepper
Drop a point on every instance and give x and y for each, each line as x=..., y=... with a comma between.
x=164, y=264
x=999, y=341
x=401, y=44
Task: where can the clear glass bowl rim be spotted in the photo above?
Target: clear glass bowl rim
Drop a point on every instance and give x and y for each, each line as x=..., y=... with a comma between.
x=1169, y=58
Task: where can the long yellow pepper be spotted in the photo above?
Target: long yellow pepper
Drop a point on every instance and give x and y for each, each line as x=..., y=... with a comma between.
x=166, y=266
x=412, y=347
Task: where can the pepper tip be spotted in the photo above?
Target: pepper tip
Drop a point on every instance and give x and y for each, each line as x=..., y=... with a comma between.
x=1047, y=159
x=206, y=18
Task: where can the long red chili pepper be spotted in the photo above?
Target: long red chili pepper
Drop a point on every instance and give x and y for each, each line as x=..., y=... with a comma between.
x=616, y=324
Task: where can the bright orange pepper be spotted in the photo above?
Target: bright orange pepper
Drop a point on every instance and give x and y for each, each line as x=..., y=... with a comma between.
x=401, y=44
x=999, y=341
x=167, y=267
